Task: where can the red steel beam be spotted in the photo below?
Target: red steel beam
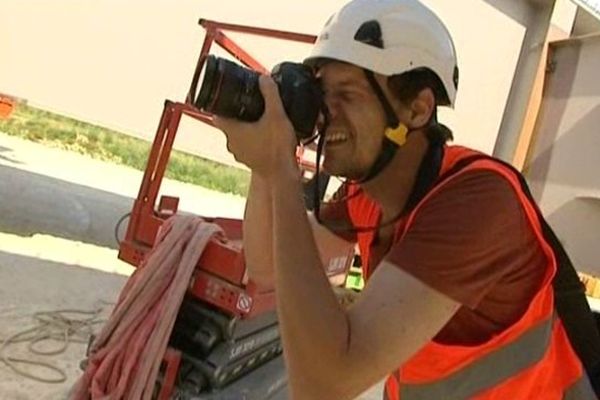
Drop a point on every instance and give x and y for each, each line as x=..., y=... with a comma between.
x=252, y=30
x=160, y=166
x=208, y=39
x=235, y=50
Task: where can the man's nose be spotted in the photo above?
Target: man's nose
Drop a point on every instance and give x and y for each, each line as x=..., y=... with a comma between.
x=332, y=106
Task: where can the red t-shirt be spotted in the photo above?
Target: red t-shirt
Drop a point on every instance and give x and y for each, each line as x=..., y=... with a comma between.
x=470, y=241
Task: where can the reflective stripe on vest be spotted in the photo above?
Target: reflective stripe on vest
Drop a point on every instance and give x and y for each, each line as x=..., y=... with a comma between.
x=580, y=390
x=496, y=367
x=489, y=370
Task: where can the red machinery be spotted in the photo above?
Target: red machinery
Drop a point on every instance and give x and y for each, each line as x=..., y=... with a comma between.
x=7, y=105
x=228, y=323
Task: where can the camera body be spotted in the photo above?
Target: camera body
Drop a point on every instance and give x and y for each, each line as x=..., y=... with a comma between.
x=232, y=91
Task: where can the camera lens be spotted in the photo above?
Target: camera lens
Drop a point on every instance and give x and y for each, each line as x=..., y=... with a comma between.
x=205, y=96
x=230, y=90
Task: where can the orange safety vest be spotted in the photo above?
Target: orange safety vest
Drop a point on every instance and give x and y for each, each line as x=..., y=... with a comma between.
x=532, y=359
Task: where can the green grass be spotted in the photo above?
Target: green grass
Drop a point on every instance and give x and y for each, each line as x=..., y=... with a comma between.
x=67, y=133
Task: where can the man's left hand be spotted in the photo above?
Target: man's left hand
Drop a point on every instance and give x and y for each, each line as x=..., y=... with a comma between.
x=268, y=145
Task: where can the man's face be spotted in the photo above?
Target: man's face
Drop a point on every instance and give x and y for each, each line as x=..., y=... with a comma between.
x=355, y=133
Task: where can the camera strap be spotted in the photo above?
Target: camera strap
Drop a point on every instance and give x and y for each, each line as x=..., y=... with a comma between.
x=320, y=143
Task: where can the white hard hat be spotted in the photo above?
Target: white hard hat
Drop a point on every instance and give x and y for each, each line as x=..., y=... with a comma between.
x=390, y=37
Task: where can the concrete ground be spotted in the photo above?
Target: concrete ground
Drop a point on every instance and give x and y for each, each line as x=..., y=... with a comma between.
x=58, y=212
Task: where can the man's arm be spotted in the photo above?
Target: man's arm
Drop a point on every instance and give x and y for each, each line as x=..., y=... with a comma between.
x=258, y=232
x=331, y=353
x=327, y=350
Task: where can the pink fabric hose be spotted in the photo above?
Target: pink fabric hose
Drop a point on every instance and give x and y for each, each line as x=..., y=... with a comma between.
x=126, y=355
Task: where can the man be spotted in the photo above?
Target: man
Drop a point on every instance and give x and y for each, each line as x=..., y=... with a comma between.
x=459, y=301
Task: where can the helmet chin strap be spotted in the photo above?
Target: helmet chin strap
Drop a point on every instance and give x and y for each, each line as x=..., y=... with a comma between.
x=394, y=136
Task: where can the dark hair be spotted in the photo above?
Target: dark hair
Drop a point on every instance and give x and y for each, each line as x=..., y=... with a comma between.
x=407, y=86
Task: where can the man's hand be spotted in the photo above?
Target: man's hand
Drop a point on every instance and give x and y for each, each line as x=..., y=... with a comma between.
x=267, y=146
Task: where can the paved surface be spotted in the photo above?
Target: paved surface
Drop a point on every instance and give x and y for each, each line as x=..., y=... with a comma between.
x=68, y=195
x=58, y=211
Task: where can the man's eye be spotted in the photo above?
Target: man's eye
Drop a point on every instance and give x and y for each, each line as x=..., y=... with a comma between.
x=341, y=95
x=348, y=95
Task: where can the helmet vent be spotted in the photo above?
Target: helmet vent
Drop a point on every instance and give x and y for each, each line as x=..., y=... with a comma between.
x=370, y=33
x=455, y=77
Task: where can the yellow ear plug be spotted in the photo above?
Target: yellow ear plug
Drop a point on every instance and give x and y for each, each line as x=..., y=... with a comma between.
x=397, y=135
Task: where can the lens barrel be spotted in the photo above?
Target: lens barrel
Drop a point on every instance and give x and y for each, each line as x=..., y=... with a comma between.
x=232, y=91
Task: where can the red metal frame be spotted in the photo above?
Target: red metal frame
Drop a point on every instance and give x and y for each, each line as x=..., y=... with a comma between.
x=171, y=360
x=214, y=33
x=221, y=275
x=7, y=106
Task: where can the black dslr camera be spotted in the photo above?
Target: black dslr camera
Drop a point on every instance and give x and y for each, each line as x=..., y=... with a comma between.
x=232, y=91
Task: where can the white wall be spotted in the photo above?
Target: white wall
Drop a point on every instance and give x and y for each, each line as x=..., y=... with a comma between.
x=114, y=62
x=565, y=161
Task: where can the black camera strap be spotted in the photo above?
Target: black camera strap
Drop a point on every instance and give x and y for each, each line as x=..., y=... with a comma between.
x=316, y=206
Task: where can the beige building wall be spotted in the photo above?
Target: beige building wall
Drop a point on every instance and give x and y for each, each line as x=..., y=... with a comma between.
x=564, y=162
x=568, y=20
x=527, y=130
x=114, y=63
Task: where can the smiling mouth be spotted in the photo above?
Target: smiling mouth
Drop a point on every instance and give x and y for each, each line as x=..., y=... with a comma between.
x=336, y=138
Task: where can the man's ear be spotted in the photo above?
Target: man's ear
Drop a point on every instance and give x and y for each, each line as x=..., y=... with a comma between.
x=422, y=108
